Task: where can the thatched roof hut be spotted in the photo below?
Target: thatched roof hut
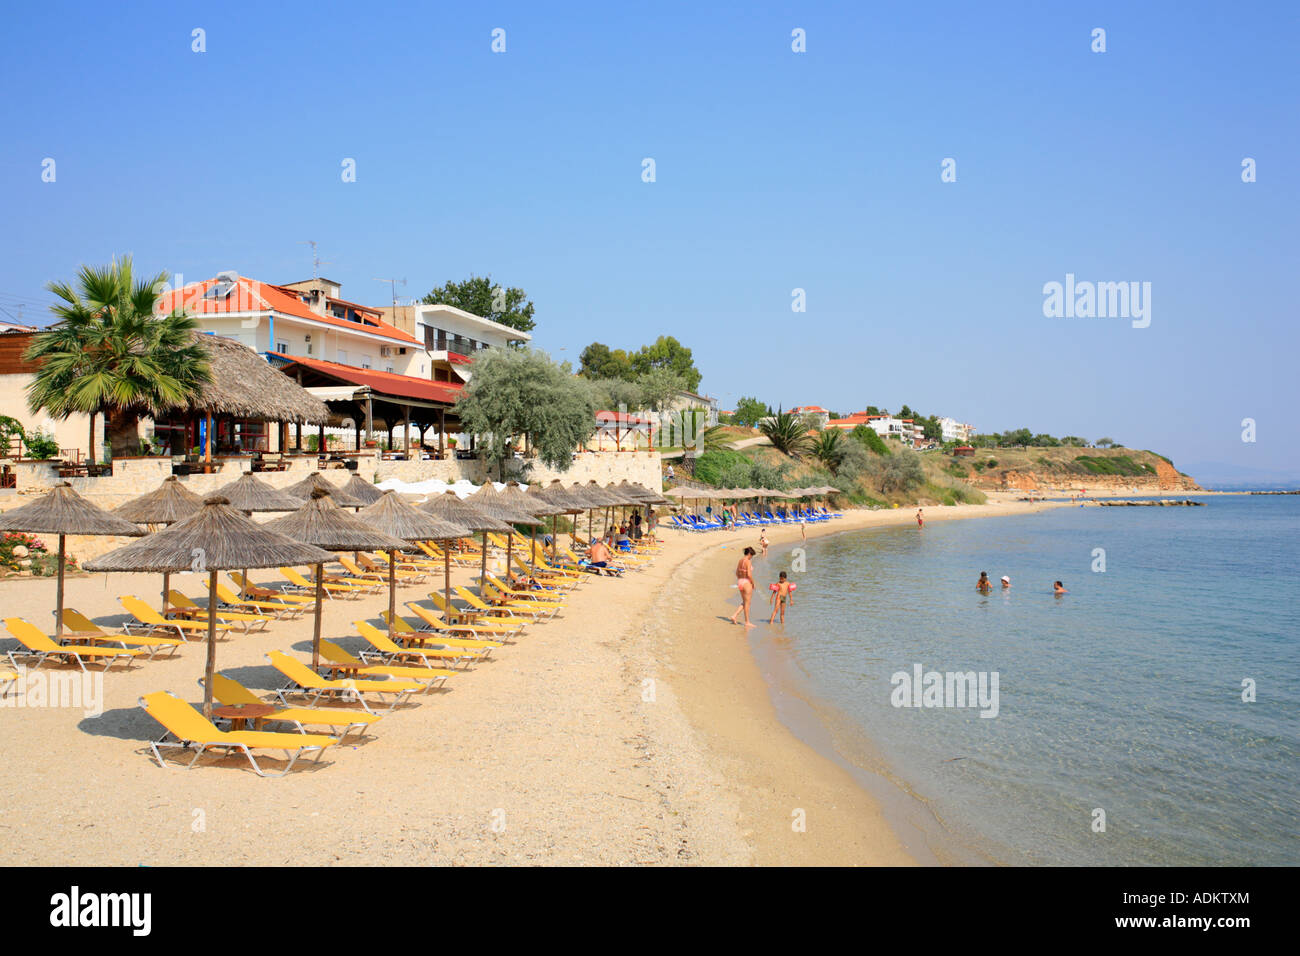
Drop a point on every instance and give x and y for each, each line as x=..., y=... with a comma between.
x=168, y=503
x=316, y=482
x=250, y=493
x=245, y=385
x=594, y=492
x=528, y=501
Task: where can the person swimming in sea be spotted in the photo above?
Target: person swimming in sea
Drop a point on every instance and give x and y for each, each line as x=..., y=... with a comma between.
x=984, y=585
x=1058, y=589
x=783, y=595
x=1006, y=583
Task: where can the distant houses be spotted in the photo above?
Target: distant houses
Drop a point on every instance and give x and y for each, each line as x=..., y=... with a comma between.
x=906, y=431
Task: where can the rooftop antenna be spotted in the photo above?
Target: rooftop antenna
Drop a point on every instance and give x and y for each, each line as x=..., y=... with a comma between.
x=316, y=260
x=392, y=283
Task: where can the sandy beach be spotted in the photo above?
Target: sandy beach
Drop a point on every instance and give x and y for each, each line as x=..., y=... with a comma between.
x=634, y=729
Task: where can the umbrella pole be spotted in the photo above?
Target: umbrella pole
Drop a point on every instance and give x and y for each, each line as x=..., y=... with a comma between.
x=211, y=666
x=167, y=577
x=446, y=575
x=58, y=614
x=392, y=595
x=534, y=551
x=482, y=565
x=555, y=534
x=510, y=543
x=320, y=600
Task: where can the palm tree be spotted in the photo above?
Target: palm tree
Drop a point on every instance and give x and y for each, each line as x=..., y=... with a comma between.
x=109, y=353
x=786, y=433
x=828, y=448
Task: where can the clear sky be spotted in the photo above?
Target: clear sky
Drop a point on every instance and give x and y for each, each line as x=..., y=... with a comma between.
x=775, y=170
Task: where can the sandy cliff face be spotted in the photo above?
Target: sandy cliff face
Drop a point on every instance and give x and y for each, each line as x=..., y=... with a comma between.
x=1165, y=479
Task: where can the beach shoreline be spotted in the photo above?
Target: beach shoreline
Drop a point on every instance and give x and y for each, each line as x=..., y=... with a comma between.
x=635, y=729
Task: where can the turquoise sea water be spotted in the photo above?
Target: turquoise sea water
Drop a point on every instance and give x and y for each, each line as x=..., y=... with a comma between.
x=1124, y=695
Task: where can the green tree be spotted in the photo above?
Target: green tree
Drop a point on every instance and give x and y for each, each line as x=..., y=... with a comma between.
x=902, y=473
x=749, y=412
x=660, y=387
x=481, y=296
x=668, y=353
x=1074, y=441
x=598, y=360
x=522, y=393
x=1105, y=442
x=870, y=439
x=933, y=430
x=109, y=353
x=828, y=448
x=873, y=410
x=786, y=434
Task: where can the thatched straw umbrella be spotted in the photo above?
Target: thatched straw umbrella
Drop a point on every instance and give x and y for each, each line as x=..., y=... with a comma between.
x=216, y=538
x=393, y=516
x=556, y=503
x=248, y=493
x=492, y=502
x=603, y=499
x=449, y=507
x=323, y=523
x=168, y=503
x=360, y=490
x=63, y=512
x=316, y=482
x=514, y=496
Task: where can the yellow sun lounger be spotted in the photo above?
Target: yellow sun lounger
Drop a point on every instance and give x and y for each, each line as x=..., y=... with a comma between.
x=7, y=679
x=477, y=604
x=481, y=621
x=538, y=609
x=229, y=599
x=387, y=651
x=88, y=631
x=430, y=677
x=232, y=693
x=353, y=569
x=305, y=601
x=436, y=631
x=456, y=557
x=193, y=610
x=517, y=595
x=41, y=648
x=415, y=572
x=305, y=682
x=544, y=569
x=190, y=730
x=148, y=619
x=330, y=588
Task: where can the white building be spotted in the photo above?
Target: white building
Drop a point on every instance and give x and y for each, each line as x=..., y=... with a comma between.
x=451, y=336
x=954, y=430
x=817, y=415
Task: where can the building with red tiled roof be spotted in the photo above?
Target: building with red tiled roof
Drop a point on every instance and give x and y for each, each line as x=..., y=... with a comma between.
x=300, y=319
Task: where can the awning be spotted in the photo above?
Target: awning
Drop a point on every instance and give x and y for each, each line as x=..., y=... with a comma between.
x=345, y=381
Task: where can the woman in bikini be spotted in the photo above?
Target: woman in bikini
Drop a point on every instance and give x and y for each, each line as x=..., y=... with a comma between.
x=745, y=584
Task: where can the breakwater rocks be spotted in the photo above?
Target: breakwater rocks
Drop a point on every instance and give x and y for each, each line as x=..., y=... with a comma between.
x=1162, y=503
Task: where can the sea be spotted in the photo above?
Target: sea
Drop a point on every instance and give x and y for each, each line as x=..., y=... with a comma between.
x=1148, y=717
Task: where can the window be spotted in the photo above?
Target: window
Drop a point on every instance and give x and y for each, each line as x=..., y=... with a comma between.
x=365, y=363
x=282, y=347
x=309, y=348
x=388, y=368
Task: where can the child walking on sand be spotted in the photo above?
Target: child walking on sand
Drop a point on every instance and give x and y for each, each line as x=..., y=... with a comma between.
x=782, y=596
x=762, y=541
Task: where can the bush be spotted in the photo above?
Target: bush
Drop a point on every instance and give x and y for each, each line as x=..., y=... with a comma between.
x=41, y=445
x=710, y=466
x=871, y=441
x=902, y=473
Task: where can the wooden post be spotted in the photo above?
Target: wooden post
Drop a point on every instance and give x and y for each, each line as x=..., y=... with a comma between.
x=406, y=430
x=297, y=439
x=482, y=569
x=90, y=457
x=392, y=595
x=370, y=418
x=58, y=614
x=207, y=445
x=320, y=442
x=442, y=429
x=210, y=669
x=315, y=633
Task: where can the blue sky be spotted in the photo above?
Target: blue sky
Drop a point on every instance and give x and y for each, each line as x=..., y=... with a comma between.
x=775, y=171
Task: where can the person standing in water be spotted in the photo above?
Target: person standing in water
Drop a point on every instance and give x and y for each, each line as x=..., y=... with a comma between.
x=920, y=519
x=762, y=542
x=984, y=585
x=745, y=585
x=780, y=598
